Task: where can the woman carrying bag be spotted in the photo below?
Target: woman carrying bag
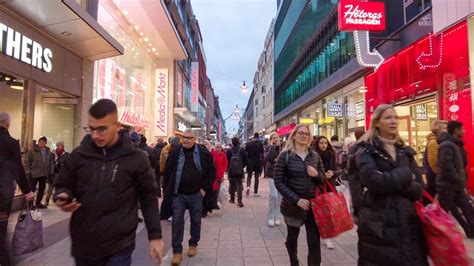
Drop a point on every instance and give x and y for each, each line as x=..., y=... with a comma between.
x=389, y=229
x=297, y=174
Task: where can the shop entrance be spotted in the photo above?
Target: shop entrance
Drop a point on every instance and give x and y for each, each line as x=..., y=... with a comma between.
x=415, y=119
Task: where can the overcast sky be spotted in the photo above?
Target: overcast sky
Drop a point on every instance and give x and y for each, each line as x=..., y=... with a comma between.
x=233, y=33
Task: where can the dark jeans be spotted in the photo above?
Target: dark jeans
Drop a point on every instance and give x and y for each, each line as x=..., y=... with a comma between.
x=235, y=185
x=122, y=258
x=193, y=203
x=253, y=168
x=312, y=237
x=6, y=199
x=452, y=201
x=42, y=187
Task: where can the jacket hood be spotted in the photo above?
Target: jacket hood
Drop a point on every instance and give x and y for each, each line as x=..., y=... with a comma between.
x=160, y=145
x=122, y=147
x=445, y=136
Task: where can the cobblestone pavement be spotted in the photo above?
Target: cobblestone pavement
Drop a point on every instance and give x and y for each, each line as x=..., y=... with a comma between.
x=230, y=236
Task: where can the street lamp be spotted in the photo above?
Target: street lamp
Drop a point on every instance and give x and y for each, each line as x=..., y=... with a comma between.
x=244, y=88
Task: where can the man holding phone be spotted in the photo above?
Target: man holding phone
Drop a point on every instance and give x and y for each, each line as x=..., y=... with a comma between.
x=101, y=183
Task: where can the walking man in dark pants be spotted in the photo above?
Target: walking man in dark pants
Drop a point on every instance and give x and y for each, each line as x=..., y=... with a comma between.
x=189, y=174
x=254, y=149
x=237, y=159
x=452, y=176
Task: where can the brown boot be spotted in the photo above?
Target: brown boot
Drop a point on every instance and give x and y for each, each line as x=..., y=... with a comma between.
x=177, y=258
x=192, y=251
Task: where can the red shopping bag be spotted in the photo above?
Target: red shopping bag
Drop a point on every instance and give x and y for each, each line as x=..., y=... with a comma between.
x=331, y=213
x=444, y=241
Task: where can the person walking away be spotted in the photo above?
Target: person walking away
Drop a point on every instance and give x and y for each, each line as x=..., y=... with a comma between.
x=254, y=150
x=338, y=148
x=298, y=172
x=155, y=161
x=190, y=173
x=59, y=157
x=452, y=176
x=143, y=145
x=327, y=153
x=274, y=214
x=11, y=169
x=101, y=183
x=352, y=175
x=431, y=155
x=39, y=167
x=237, y=158
x=221, y=163
x=174, y=144
x=389, y=229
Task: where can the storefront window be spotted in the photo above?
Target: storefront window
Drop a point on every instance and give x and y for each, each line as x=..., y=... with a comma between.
x=11, y=102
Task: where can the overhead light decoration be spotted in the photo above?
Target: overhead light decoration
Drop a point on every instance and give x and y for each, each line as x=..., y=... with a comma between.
x=244, y=88
x=15, y=85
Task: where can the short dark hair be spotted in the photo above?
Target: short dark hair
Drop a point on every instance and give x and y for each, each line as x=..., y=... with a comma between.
x=335, y=138
x=143, y=139
x=43, y=139
x=453, y=125
x=102, y=108
x=235, y=141
x=256, y=135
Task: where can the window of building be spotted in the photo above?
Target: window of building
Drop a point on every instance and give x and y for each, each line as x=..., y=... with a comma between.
x=414, y=7
x=263, y=102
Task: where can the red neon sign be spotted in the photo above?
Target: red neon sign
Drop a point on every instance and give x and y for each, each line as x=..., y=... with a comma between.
x=353, y=15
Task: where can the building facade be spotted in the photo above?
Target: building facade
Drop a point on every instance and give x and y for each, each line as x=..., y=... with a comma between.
x=247, y=119
x=263, y=87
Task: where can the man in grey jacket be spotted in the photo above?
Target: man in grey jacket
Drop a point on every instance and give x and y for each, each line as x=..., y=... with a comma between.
x=39, y=166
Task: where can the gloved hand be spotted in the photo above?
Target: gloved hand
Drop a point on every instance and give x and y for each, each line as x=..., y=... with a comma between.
x=413, y=191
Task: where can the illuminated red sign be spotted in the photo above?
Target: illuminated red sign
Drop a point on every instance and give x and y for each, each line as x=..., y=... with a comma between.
x=354, y=15
x=161, y=102
x=133, y=119
x=194, y=86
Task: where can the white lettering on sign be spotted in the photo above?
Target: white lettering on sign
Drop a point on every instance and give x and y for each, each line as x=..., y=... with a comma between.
x=21, y=47
x=194, y=87
x=354, y=15
x=133, y=119
x=161, y=102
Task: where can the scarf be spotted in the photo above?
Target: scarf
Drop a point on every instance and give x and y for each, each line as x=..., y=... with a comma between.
x=181, y=161
x=59, y=151
x=389, y=147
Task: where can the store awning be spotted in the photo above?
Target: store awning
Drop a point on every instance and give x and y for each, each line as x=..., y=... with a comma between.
x=282, y=131
x=70, y=25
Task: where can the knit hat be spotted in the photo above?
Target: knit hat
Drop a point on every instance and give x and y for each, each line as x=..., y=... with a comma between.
x=175, y=141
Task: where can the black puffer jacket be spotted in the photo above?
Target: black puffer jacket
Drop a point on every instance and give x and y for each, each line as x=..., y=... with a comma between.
x=294, y=183
x=389, y=229
x=108, y=183
x=270, y=158
x=452, y=162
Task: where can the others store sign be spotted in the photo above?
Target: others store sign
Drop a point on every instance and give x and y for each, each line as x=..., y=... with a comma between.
x=369, y=16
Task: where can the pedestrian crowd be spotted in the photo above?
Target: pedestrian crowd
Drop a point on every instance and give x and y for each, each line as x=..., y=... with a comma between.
x=115, y=172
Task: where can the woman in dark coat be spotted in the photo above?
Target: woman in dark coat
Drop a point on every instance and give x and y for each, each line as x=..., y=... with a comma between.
x=274, y=214
x=389, y=229
x=298, y=172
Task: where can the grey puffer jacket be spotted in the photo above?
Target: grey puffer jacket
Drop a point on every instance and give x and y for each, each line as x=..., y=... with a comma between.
x=36, y=166
x=451, y=163
x=294, y=183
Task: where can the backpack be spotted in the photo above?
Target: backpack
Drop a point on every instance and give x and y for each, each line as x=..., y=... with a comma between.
x=236, y=167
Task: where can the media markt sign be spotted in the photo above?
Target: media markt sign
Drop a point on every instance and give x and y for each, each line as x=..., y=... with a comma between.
x=161, y=102
x=21, y=47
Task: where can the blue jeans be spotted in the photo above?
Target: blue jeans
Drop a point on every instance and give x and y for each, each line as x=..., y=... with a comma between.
x=274, y=202
x=193, y=203
x=122, y=258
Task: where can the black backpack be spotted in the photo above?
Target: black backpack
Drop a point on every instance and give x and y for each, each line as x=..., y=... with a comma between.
x=236, y=167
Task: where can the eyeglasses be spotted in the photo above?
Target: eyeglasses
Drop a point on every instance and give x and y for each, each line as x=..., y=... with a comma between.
x=188, y=138
x=301, y=133
x=100, y=129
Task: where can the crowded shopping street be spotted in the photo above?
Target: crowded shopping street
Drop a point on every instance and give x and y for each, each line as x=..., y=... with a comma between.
x=236, y=132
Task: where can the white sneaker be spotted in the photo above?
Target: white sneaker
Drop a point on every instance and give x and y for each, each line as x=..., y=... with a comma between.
x=170, y=219
x=329, y=244
x=277, y=222
x=271, y=223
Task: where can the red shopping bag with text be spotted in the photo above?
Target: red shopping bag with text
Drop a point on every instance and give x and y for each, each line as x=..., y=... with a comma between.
x=331, y=213
x=444, y=241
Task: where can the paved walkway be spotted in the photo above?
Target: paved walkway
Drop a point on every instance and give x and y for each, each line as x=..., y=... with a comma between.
x=231, y=236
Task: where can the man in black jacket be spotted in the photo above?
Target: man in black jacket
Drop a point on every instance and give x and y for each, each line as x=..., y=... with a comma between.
x=452, y=176
x=101, y=182
x=189, y=174
x=236, y=176
x=254, y=149
x=155, y=160
x=10, y=169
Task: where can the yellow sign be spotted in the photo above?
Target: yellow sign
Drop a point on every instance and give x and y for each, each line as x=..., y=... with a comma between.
x=306, y=121
x=326, y=120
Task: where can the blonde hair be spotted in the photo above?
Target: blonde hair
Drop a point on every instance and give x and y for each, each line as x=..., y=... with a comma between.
x=373, y=131
x=273, y=135
x=291, y=145
x=436, y=125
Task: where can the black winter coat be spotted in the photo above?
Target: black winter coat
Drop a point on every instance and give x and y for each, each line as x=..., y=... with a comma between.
x=294, y=183
x=452, y=162
x=11, y=169
x=389, y=229
x=270, y=158
x=108, y=183
x=243, y=158
x=209, y=173
x=254, y=149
